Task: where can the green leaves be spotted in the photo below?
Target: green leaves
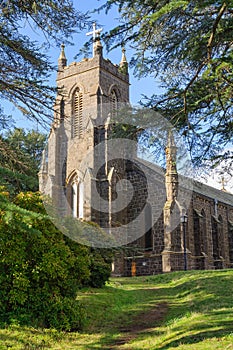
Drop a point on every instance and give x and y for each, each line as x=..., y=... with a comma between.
x=167, y=9
x=20, y=154
x=41, y=270
x=24, y=64
x=188, y=45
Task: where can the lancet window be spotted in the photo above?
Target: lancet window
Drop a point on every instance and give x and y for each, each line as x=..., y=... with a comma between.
x=77, y=199
x=77, y=114
x=113, y=102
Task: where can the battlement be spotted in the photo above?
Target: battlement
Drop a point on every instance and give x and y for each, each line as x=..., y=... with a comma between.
x=87, y=64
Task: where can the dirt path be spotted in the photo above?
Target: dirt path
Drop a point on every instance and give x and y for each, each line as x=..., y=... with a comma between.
x=140, y=324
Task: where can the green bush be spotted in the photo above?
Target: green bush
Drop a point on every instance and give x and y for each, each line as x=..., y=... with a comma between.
x=100, y=268
x=41, y=270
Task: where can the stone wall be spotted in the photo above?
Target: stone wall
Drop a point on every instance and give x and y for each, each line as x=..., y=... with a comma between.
x=148, y=264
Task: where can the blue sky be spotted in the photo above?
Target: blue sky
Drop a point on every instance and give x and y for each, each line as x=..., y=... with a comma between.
x=146, y=86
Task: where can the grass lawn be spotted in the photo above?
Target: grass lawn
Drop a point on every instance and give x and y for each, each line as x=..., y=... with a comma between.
x=181, y=310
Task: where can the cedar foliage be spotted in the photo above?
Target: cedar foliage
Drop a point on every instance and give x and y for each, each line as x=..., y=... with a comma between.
x=188, y=46
x=24, y=64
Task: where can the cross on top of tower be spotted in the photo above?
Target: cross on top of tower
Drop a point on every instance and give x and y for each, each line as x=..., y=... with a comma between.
x=95, y=34
x=223, y=182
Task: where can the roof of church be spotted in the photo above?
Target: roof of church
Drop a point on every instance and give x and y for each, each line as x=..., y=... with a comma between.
x=198, y=187
x=212, y=192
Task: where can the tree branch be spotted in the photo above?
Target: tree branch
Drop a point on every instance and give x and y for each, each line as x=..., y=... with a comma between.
x=215, y=26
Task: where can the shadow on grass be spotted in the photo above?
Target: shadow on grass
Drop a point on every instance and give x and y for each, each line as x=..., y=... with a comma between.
x=220, y=325
x=185, y=294
x=199, y=307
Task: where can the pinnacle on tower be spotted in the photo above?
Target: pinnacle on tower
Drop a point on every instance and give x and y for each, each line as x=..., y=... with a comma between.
x=123, y=66
x=62, y=61
x=171, y=177
x=98, y=48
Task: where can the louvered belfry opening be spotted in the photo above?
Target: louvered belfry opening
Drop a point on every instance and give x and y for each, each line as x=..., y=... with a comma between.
x=77, y=114
x=113, y=101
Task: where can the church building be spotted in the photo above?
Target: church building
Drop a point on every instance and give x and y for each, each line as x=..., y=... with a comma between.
x=77, y=172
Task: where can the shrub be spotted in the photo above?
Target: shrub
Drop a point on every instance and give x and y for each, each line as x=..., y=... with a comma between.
x=100, y=268
x=41, y=269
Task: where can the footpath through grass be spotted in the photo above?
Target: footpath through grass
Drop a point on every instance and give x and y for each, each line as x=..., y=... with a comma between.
x=199, y=315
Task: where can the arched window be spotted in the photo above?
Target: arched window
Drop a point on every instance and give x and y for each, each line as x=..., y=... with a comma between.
x=75, y=195
x=77, y=114
x=81, y=201
x=113, y=102
x=77, y=200
x=74, y=201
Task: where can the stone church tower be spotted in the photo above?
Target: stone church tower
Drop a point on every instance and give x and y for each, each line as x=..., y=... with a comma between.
x=88, y=92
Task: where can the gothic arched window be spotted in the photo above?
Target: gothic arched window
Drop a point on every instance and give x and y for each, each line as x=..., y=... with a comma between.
x=113, y=102
x=77, y=114
x=77, y=193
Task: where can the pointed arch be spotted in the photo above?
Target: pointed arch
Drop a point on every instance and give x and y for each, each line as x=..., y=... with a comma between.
x=72, y=176
x=74, y=88
x=114, y=98
x=115, y=88
x=75, y=194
